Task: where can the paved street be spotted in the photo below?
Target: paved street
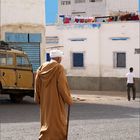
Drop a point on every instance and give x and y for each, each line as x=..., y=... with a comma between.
x=94, y=116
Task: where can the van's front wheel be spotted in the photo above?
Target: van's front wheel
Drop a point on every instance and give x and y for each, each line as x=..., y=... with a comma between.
x=0, y=88
x=16, y=98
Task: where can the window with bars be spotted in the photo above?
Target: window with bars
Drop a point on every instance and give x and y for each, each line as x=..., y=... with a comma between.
x=65, y=2
x=52, y=39
x=119, y=59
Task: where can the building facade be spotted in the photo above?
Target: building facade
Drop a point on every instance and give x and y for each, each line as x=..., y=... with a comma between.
x=95, y=8
x=22, y=24
x=97, y=56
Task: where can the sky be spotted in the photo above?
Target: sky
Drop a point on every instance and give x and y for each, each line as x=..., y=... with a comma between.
x=139, y=6
x=51, y=11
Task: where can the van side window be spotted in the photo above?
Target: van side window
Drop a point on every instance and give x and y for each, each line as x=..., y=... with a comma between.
x=2, y=59
x=22, y=61
x=6, y=59
x=9, y=59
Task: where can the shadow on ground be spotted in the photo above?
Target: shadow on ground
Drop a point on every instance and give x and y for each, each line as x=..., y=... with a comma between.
x=85, y=111
x=28, y=111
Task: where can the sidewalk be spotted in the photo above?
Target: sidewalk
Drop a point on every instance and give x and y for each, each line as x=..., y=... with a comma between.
x=100, y=96
x=105, y=93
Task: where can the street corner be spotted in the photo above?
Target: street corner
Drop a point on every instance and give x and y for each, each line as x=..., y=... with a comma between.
x=78, y=99
x=87, y=98
x=102, y=99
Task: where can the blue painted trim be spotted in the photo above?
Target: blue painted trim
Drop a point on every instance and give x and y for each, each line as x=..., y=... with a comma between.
x=35, y=37
x=22, y=37
x=16, y=37
x=48, y=57
x=119, y=38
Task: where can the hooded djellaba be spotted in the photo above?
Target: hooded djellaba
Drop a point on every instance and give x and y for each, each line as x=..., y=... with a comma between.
x=52, y=94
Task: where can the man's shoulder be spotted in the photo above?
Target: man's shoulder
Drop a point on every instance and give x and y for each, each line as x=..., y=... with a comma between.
x=45, y=63
x=60, y=66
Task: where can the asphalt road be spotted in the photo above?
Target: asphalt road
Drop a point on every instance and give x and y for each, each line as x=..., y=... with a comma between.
x=92, y=117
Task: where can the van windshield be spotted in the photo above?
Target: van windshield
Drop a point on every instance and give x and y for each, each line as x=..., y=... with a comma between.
x=22, y=61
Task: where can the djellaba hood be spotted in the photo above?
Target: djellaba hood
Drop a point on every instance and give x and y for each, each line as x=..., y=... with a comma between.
x=47, y=71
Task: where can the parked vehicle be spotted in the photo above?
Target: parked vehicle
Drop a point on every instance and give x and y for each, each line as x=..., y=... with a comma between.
x=16, y=73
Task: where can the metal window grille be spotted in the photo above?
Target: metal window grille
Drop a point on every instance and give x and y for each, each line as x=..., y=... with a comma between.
x=65, y=2
x=52, y=40
x=119, y=59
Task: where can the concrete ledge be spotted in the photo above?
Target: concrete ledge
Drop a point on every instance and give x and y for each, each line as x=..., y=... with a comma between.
x=100, y=83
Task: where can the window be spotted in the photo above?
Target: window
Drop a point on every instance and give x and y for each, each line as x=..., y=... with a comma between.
x=95, y=0
x=52, y=39
x=77, y=39
x=119, y=59
x=91, y=0
x=79, y=1
x=9, y=59
x=22, y=37
x=22, y=61
x=78, y=13
x=2, y=59
x=137, y=50
x=78, y=59
x=6, y=59
x=65, y=2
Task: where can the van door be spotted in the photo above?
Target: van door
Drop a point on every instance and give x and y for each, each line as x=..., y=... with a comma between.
x=24, y=72
x=7, y=71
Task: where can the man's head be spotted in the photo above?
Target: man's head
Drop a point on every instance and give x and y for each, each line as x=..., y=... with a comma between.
x=56, y=55
x=131, y=69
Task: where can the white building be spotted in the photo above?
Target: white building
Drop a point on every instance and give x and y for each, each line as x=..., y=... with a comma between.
x=95, y=7
x=97, y=56
x=22, y=24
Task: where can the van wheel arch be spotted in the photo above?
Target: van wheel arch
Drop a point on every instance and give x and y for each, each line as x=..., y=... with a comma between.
x=15, y=98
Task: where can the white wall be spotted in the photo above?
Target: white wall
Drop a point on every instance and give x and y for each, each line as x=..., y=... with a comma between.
x=98, y=48
x=23, y=16
x=96, y=9
x=121, y=29
x=89, y=47
x=122, y=5
x=22, y=12
x=102, y=8
x=90, y=8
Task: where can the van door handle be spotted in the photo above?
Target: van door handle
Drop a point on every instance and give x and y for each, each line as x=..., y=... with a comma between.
x=3, y=73
x=19, y=76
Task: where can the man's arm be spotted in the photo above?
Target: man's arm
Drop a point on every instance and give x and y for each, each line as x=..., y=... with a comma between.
x=63, y=86
x=134, y=80
x=37, y=89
